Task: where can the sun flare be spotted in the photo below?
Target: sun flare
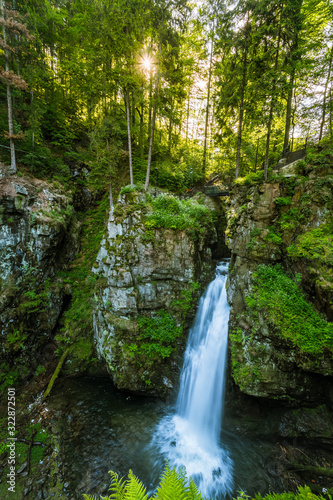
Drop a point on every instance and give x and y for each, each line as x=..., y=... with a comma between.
x=147, y=63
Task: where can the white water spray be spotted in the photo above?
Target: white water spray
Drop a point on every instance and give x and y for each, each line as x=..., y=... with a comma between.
x=191, y=437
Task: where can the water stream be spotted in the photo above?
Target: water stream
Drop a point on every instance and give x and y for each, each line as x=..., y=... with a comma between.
x=190, y=437
x=100, y=429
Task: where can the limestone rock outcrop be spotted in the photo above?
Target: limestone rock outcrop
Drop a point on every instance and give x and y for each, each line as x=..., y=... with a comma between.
x=38, y=235
x=146, y=303
x=277, y=223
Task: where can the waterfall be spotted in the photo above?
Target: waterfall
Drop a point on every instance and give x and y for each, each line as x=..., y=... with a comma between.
x=190, y=437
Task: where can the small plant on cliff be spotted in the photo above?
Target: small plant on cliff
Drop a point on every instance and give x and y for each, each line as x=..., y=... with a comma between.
x=158, y=335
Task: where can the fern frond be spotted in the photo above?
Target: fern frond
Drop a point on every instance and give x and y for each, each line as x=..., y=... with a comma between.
x=117, y=487
x=193, y=492
x=89, y=497
x=135, y=490
x=172, y=485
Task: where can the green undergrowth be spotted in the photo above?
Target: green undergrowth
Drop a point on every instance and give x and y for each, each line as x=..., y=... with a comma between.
x=170, y=212
x=81, y=284
x=29, y=454
x=165, y=211
x=318, y=157
x=281, y=299
x=252, y=178
x=158, y=335
x=175, y=485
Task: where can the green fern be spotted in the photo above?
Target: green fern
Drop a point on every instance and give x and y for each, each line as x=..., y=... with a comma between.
x=193, y=492
x=117, y=487
x=135, y=489
x=172, y=485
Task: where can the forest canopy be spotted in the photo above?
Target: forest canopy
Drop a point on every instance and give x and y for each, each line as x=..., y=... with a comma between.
x=171, y=88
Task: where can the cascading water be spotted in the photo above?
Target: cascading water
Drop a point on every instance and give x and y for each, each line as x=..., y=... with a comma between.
x=190, y=438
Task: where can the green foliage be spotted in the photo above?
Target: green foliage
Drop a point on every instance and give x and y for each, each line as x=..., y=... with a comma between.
x=15, y=340
x=158, y=334
x=171, y=213
x=273, y=237
x=82, y=284
x=185, y=302
x=316, y=244
x=284, y=304
x=304, y=493
x=281, y=202
x=250, y=179
x=173, y=486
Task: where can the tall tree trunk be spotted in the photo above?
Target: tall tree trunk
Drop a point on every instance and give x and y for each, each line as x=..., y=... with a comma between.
x=152, y=130
x=141, y=138
x=241, y=114
x=128, y=119
x=255, y=165
x=111, y=198
x=331, y=131
x=9, y=99
x=187, y=117
x=269, y=126
x=204, y=160
x=289, y=110
x=170, y=126
x=325, y=96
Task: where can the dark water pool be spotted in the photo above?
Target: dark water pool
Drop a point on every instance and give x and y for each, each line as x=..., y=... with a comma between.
x=100, y=429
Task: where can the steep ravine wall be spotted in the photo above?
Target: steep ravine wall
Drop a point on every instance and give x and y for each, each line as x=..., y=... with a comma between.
x=38, y=237
x=267, y=225
x=152, y=280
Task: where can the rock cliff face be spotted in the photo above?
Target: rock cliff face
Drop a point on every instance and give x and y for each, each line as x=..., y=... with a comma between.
x=37, y=236
x=143, y=310
x=286, y=223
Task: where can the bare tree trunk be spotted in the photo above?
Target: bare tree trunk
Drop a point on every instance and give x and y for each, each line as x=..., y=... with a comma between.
x=187, y=117
x=325, y=92
x=241, y=114
x=269, y=126
x=9, y=100
x=152, y=130
x=170, y=126
x=111, y=198
x=207, y=109
x=128, y=118
x=289, y=110
x=331, y=131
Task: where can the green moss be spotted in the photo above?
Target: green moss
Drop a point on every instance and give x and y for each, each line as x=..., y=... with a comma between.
x=82, y=284
x=281, y=300
x=280, y=202
x=316, y=244
x=273, y=236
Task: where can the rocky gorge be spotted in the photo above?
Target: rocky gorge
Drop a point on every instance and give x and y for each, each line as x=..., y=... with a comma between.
x=146, y=270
